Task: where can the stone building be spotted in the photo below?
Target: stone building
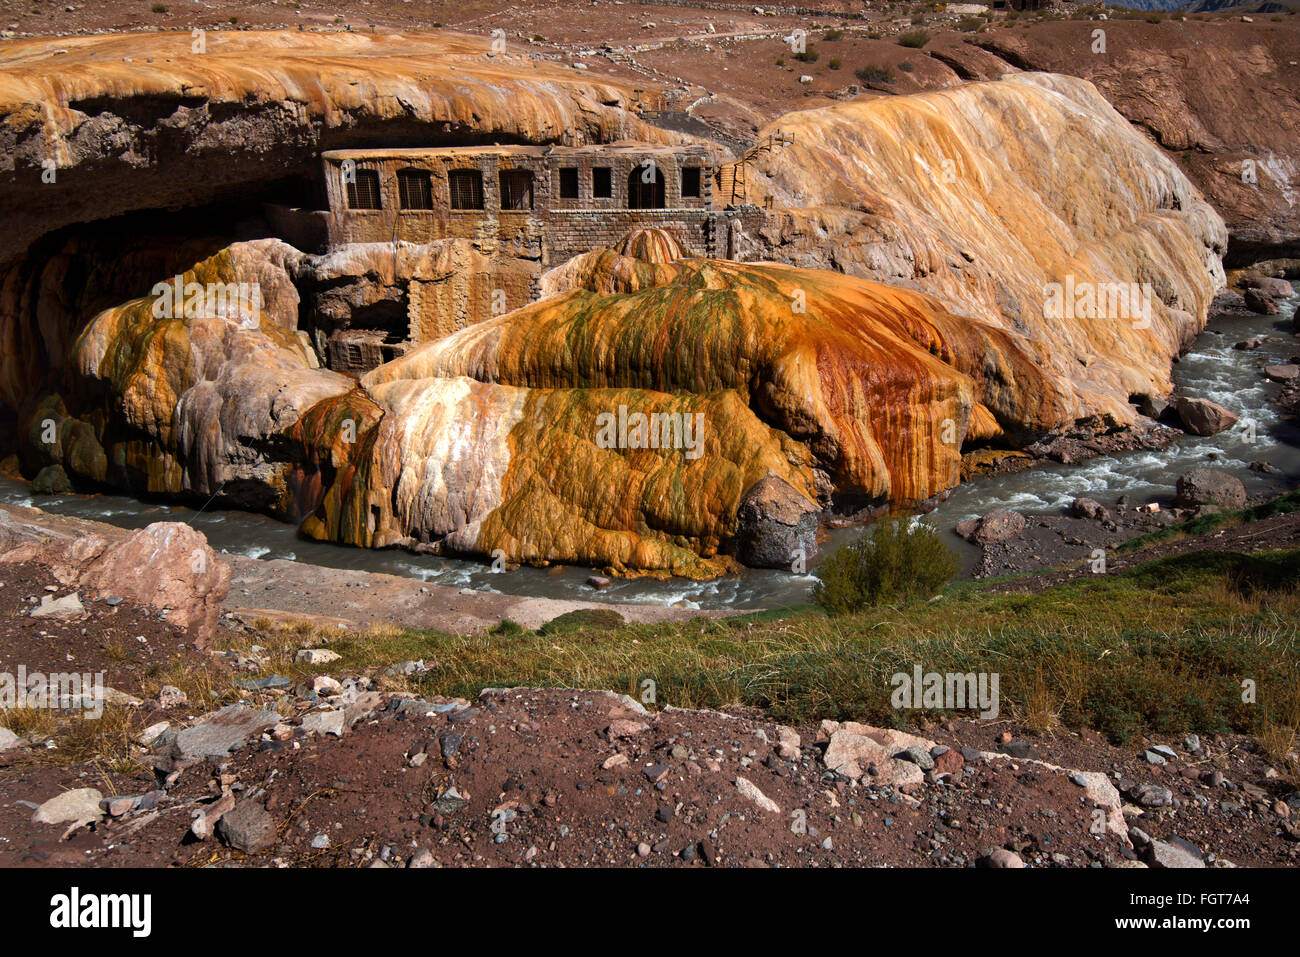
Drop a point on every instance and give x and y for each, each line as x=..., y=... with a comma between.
x=544, y=203
x=517, y=210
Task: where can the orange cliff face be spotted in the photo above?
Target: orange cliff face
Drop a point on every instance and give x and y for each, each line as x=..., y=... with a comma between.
x=992, y=197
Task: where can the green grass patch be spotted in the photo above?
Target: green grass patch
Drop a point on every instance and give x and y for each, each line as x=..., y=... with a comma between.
x=1161, y=648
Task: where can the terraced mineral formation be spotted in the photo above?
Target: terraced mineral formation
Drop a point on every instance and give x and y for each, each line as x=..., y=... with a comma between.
x=189, y=389
x=868, y=377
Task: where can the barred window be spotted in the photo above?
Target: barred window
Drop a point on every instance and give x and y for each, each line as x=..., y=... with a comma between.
x=602, y=183
x=569, y=182
x=466, y=188
x=415, y=189
x=516, y=189
x=363, y=191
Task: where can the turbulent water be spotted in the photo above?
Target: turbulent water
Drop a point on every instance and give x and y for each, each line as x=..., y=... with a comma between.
x=1212, y=370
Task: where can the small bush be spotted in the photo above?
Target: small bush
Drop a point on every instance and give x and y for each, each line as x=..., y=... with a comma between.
x=835, y=63
x=808, y=55
x=780, y=61
x=898, y=561
x=159, y=8
x=969, y=24
x=906, y=66
x=833, y=35
x=874, y=74
x=915, y=39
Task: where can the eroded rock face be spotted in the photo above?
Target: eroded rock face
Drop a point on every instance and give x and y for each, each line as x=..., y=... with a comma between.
x=191, y=402
x=1220, y=95
x=1000, y=199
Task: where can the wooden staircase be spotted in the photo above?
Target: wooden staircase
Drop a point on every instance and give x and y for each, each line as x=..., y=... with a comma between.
x=733, y=180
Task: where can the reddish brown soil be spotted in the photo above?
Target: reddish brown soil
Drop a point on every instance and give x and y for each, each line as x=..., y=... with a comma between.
x=127, y=642
x=539, y=753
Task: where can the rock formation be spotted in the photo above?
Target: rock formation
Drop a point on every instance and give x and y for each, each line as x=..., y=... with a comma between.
x=989, y=196
x=621, y=419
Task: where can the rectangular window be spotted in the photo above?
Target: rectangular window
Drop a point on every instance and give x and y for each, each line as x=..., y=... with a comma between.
x=569, y=183
x=363, y=191
x=516, y=189
x=602, y=183
x=466, y=186
x=415, y=189
x=691, y=182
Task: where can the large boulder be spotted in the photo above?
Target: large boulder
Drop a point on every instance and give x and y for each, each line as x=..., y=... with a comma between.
x=1203, y=417
x=995, y=526
x=167, y=565
x=1261, y=302
x=775, y=525
x=1269, y=286
x=1084, y=507
x=1211, y=487
x=51, y=480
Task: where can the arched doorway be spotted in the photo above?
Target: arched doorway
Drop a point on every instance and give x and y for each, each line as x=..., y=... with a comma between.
x=645, y=187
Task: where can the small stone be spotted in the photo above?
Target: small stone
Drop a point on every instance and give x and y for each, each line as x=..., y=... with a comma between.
x=625, y=729
x=326, y=686
x=316, y=656
x=320, y=842
x=8, y=740
x=1169, y=855
x=918, y=756
x=1153, y=758
x=81, y=804
x=999, y=858
x=325, y=722
x=169, y=696
x=248, y=828
x=69, y=606
x=788, y=746
x=750, y=792
x=1152, y=795
x=422, y=859
x=151, y=734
